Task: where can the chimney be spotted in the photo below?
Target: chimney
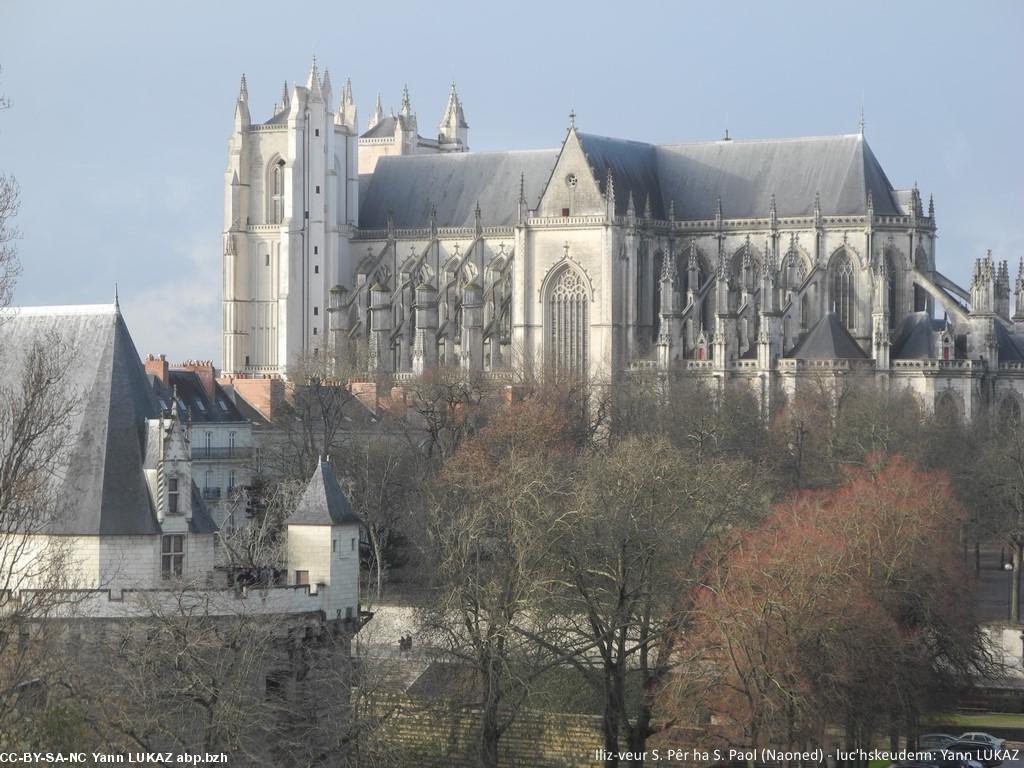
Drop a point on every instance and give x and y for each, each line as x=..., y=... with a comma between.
x=263, y=394
x=205, y=371
x=157, y=366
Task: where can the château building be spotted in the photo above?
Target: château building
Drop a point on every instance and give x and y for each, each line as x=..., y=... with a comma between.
x=128, y=521
x=763, y=261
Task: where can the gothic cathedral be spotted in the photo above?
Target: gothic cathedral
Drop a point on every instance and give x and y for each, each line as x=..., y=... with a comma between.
x=769, y=261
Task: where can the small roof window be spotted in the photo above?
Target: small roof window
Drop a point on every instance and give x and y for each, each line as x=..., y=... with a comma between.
x=199, y=405
x=223, y=405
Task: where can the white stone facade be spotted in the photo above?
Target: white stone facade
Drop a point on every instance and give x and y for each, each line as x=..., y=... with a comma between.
x=614, y=256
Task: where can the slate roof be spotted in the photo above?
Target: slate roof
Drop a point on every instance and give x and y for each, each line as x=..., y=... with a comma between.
x=634, y=167
x=914, y=337
x=190, y=392
x=102, y=484
x=323, y=502
x=1011, y=348
x=281, y=118
x=828, y=339
x=745, y=174
x=201, y=521
x=842, y=169
x=385, y=128
x=454, y=183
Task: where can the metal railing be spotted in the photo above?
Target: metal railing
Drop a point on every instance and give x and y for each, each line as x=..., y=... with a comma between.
x=236, y=452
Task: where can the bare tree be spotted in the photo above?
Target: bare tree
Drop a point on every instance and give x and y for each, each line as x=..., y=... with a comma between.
x=643, y=518
x=489, y=532
x=256, y=539
x=385, y=476
x=36, y=412
x=315, y=419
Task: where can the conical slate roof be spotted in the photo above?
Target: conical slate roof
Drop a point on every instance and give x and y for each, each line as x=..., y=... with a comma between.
x=828, y=339
x=323, y=502
x=101, y=487
x=914, y=337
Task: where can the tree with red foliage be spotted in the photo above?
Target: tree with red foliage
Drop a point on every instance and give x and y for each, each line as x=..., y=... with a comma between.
x=847, y=606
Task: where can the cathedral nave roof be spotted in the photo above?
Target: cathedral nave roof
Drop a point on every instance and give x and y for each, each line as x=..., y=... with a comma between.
x=840, y=170
x=453, y=183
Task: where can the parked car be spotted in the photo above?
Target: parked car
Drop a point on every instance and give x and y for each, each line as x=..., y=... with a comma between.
x=983, y=738
x=935, y=740
x=981, y=751
x=939, y=758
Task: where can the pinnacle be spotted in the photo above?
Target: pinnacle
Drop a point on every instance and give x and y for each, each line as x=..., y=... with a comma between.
x=243, y=90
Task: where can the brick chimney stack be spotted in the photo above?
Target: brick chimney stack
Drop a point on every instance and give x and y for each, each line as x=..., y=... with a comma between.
x=205, y=371
x=157, y=366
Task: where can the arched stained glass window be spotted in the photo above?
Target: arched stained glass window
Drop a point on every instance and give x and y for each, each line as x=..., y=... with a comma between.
x=843, y=296
x=568, y=329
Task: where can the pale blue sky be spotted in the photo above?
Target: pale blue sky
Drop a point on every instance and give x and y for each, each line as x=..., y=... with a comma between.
x=121, y=111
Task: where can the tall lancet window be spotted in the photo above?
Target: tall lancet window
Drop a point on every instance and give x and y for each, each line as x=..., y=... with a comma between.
x=892, y=277
x=568, y=325
x=277, y=192
x=843, y=299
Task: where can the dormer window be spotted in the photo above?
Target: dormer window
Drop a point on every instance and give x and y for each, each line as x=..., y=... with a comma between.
x=172, y=496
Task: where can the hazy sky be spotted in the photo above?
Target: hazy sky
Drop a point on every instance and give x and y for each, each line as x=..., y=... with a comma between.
x=121, y=111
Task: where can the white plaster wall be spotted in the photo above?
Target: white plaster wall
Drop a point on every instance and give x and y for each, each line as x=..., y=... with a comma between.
x=311, y=548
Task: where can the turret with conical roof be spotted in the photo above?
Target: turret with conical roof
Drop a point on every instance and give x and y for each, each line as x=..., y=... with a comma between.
x=323, y=544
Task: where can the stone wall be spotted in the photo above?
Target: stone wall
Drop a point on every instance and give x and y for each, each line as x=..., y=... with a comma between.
x=442, y=734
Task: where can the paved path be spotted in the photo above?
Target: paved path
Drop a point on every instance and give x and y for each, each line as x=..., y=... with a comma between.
x=993, y=583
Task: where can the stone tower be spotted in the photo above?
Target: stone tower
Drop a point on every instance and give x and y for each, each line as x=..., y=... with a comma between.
x=291, y=201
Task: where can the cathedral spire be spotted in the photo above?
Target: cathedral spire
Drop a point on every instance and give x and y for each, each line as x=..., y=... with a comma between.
x=313, y=83
x=453, y=128
x=242, y=106
x=325, y=85
x=378, y=114
x=406, y=105
x=347, y=108
x=522, y=197
x=1018, y=314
